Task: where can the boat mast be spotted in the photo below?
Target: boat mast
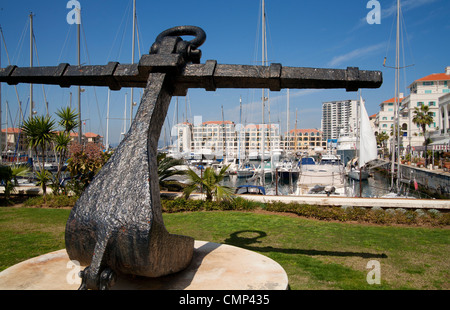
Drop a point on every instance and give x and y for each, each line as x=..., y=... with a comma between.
x=397, y=96
x=396, y=102
x=240, y=129
x=79, y=87
x=132, y=59
x=223, y=138
x=264, y=63
x=1, y=132
x=287, y=122
x=30, y=153
x=107, y=121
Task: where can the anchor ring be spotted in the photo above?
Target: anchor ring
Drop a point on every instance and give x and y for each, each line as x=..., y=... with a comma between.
x=197, y=32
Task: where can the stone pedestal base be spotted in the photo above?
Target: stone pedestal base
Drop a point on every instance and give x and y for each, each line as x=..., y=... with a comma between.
x=214, y=267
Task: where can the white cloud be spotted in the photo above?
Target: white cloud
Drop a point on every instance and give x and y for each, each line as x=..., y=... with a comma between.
x=357, y=53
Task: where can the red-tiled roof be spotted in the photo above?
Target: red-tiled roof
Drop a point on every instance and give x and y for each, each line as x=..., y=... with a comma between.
x=304, y=130
x=12, y=130
x=392, y=100
x=259, y=126
x=217, y=122
x=91, y=135
x=435, y=77
x=87, y=135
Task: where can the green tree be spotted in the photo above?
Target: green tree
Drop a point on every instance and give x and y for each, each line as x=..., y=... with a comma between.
x=423, y=118
x=67, y=119
x=166, y=169
x=84, y=163
x=381, y=140
x=39, y=132
x=209, y=183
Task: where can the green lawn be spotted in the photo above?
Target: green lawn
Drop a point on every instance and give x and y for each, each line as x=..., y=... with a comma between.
x=315, y=254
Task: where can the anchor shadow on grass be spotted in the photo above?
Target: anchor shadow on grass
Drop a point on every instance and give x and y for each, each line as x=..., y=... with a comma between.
x=249, y=244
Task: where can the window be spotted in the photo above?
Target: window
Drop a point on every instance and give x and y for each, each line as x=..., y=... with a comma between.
x=446, y=91
x=428, y=92
x=432, y=103
x=384, y=118
x=419, y=104
x=428, y=83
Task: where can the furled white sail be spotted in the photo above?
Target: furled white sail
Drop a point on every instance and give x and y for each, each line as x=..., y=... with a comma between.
x=367, y=142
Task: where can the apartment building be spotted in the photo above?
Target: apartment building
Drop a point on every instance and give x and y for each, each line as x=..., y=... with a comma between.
x=427, y=91
x=305, y=140
x=225, y=138
x=441, y=137
x=218, y=137
x=386, y=115
x=339, y=117
x=13, y=143
x=258, y=136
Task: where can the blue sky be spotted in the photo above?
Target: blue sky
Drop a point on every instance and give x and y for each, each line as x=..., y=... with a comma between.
x=323, y=34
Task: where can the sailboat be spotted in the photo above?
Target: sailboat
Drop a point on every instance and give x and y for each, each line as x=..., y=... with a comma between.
x=367, y=146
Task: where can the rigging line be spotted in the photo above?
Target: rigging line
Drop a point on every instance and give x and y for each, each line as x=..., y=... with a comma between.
x=138, y=37
x=21, y=42
x=117, y=32
x=39, y=64
x=9, y=63
x=95, y=89
x=123, y=35
x=403, y=25
x=389, y=41
x=64, y=44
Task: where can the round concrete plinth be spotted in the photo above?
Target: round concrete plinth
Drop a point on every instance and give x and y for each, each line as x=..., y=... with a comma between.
x=214, y=267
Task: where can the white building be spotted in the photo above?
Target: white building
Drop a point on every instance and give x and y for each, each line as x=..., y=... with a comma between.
x=182, y=144
x=224, y=139
x=386, y=115
x=215, y=137
x=441, y=137
x=427, y=91
x=339, y=117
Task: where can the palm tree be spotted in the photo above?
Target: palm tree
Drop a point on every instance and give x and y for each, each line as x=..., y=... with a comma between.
x=209, y=182
x=62, y=141
x=166, y=169
x=39, y=132
x=381, y=140
x=9, y=174
x=67, y=120
x=423, y=118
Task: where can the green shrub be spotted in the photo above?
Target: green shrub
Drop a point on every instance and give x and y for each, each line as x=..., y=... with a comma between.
x=51, y=201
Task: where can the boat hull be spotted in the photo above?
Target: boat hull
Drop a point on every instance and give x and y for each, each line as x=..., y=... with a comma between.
x=354, y=175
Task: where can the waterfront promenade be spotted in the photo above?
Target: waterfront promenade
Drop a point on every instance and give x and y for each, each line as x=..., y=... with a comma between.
x=318, y=200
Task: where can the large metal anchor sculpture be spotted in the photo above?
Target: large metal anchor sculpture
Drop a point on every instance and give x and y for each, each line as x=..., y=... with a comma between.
x=116, y=226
